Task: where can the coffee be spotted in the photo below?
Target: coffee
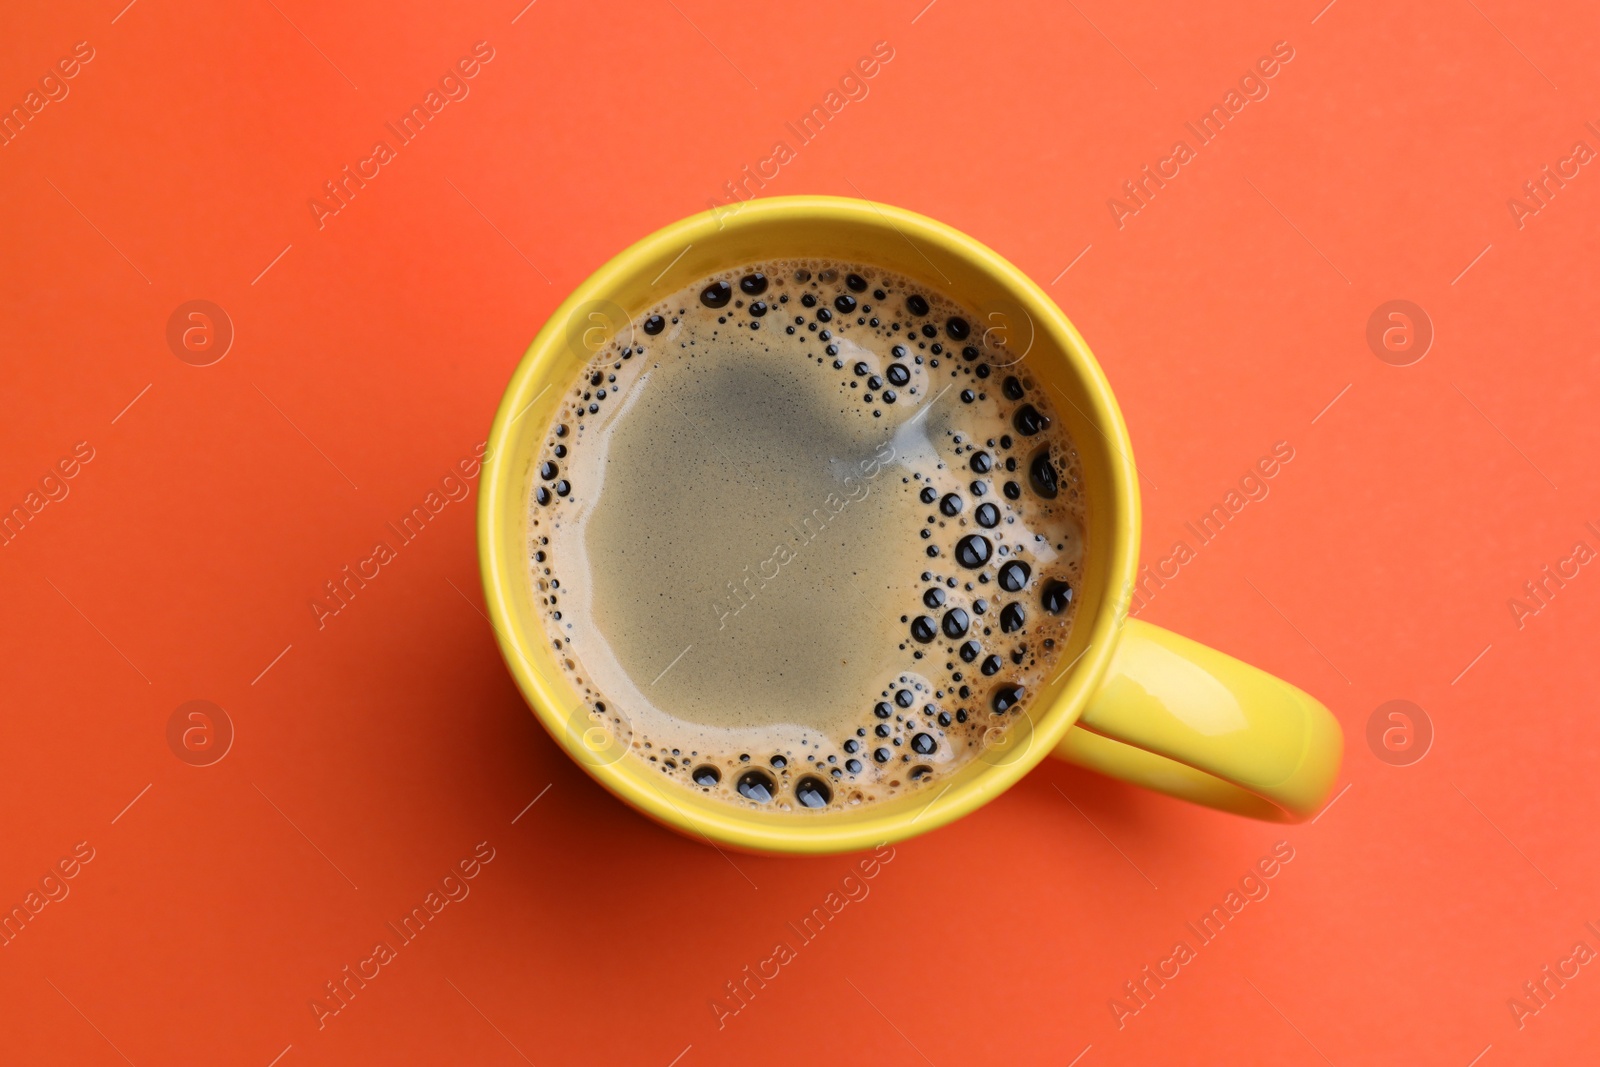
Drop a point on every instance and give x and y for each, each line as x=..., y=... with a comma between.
x=806, y=536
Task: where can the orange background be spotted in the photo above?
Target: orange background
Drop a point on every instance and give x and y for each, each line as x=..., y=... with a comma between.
x=373, y=754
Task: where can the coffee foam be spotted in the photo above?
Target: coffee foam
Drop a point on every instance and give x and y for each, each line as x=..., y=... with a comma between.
x=791, y=540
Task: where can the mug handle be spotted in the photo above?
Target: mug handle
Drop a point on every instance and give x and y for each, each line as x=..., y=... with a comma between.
x=1183, y=719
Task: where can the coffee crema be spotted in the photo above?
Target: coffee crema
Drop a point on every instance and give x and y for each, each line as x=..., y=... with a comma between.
x=804, y=538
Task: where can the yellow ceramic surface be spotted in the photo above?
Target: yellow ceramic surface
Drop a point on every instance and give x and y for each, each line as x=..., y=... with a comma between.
x=1136, y=702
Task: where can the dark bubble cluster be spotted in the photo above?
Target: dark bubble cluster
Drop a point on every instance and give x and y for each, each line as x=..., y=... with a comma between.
x=994, y=603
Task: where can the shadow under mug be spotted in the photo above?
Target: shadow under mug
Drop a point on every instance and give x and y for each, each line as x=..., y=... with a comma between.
x=1131, y=700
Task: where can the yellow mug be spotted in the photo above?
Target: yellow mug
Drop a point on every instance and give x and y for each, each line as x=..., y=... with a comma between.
x=1132, y=701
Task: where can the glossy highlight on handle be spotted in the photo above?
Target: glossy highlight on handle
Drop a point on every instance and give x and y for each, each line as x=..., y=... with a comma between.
x=1181, y=718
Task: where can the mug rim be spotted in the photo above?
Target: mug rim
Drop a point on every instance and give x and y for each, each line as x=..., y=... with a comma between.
x=500, y=492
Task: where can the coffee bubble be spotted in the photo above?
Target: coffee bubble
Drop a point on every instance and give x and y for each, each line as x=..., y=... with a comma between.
x=973, y=551
x=757, y=786
x=1028, y=421
x=1042, y=474
x=1056, y=596
x=812, y=792
x=1013, y=576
